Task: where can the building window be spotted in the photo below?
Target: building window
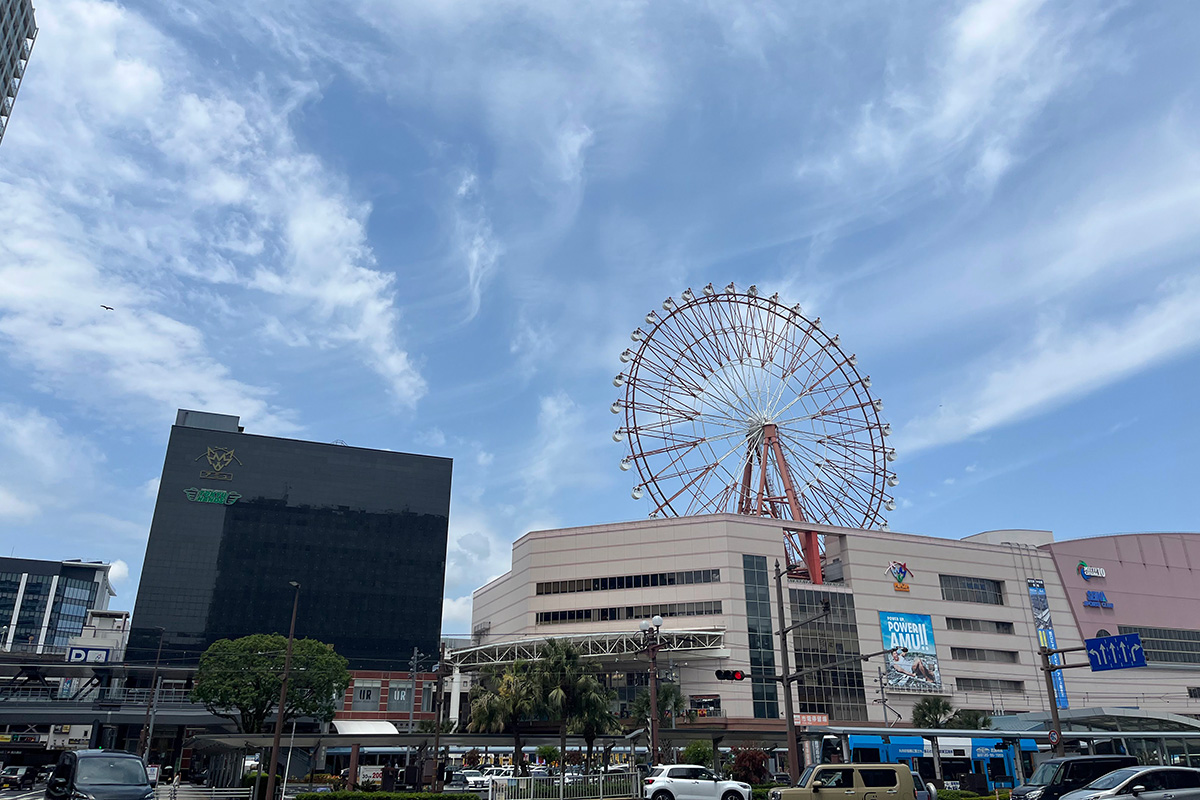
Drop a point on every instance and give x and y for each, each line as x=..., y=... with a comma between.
x=836, y=691
x=762, y=647
x=1194, y=692
x=972, y=590
x=428, y=694
x=400, y=696
x=630, y=581
x=978, y=625
x=1167, y=645
x=704, y=608
x=981, y=654
x=989, y=685
x=366, y=696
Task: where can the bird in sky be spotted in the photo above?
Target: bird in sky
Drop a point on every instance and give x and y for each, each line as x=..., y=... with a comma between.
x=106, y=308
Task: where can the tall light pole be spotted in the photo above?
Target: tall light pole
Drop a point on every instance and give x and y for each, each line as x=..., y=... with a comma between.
x=283, y=687
x=651, y=644
x=144, y=739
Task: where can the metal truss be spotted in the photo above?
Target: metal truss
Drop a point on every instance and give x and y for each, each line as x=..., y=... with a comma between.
x=697, y=644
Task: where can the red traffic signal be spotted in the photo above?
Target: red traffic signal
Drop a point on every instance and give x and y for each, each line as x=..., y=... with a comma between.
x=730, y=675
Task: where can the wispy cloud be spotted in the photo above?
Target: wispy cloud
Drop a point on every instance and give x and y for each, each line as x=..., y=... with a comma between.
x=149, y=183
x=1060, y=364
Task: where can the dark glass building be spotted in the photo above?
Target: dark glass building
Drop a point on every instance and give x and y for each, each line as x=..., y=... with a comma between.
x=238, y=516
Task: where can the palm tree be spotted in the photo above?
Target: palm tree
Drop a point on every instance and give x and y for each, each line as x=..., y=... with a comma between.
x=504, y=701
x=596, y=718
x=971, y=719
x=671, y=705
x=567, y=683
x=932, y=712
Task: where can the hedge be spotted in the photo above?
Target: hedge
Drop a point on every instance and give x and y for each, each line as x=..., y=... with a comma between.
x=384, y=796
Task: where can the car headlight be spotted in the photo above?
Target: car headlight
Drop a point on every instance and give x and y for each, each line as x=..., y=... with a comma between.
x=1034, y=794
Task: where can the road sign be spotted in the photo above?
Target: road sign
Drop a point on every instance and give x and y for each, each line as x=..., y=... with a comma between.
x=810, y=719
x=1115, y=652
x=1054, y=736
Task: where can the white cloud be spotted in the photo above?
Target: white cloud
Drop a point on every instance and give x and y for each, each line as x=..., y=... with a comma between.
x=150, y=488
x=1061, y=364
x=39, y=462
x=988, y=73
x=138, y=183
x=456, y=615
x=474, y=242
x=119, y=571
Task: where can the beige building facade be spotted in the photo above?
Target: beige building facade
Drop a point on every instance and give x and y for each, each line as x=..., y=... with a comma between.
x=961, y=619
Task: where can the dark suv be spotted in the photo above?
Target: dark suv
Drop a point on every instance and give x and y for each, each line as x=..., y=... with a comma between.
x=1054, y=777
x=99, y=775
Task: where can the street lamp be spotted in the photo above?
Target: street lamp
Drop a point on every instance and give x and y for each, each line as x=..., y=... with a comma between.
x=283, y=687
x=651, y=644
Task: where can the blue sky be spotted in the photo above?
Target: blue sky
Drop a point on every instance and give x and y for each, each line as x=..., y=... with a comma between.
x=430, y=227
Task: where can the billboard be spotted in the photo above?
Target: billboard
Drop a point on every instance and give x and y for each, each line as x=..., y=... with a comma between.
x=1040, y=604
x=913, y=662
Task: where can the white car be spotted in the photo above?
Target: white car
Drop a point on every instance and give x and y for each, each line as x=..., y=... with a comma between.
x=690, y=782
x=474, y=779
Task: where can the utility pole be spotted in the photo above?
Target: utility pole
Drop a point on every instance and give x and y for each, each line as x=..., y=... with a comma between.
x=283, y=687
x=793, y=747
x=437, y=720
x=144, y=739
x=651, y=644
x=412, y=676
x=787, y=678
x=1048, y=669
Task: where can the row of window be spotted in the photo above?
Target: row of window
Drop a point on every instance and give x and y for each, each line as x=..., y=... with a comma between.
x=704, y=608
x=763, y=690
x=989, y=685
x=982, y=654
x=631, y=581
x=978, y=625
x=1168, y=645
x=962, y=589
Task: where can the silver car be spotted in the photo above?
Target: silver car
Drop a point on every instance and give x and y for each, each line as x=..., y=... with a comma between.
x=1144, y=783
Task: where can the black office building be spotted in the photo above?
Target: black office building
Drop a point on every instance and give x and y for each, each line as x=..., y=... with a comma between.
x=238, y=516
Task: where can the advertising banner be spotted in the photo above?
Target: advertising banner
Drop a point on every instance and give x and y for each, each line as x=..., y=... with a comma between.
x=913, y=664
x=1045, y=632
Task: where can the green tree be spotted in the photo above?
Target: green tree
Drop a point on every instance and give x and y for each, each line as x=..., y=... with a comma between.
x=970, y=719
x=239, y=680
x=932, y=712
x=548, y=753
x=569, y=686
x=595, y=719
x=506, y=700
x=471, y=758
x=697, y=752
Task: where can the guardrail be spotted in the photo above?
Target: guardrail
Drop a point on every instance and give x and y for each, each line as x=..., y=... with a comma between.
x=613, y=786
x=188, y=792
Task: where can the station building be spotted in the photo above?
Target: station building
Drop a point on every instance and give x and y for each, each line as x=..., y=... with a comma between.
x=962, y=619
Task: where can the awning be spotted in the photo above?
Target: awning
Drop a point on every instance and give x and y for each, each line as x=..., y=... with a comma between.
x=359, y=727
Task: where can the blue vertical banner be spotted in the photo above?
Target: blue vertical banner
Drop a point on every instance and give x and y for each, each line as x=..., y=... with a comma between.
x=1045, y=631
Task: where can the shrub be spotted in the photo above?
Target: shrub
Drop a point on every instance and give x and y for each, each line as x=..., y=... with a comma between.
x=384, y=796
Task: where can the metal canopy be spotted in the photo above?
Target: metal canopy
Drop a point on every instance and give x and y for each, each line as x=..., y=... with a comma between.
x=1105, y=719
x=696, y=644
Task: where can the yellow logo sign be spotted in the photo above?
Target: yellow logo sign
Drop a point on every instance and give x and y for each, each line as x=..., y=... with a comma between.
x=218, y=458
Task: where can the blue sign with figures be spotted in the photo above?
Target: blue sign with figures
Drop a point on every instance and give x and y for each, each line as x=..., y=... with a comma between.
x=1115, y=652
x=1040, y=604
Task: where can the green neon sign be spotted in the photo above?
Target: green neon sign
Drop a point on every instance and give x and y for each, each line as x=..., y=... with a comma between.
x=220, y=497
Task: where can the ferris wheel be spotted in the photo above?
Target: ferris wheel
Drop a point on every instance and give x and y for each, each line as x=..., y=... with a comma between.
x=737, y=403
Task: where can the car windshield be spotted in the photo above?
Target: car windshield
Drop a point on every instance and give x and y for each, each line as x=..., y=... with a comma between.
x=471, y=773
x=1113, y=779
x=10, y=771
x=1043, y=775
x=804, y=776
x=114, y=771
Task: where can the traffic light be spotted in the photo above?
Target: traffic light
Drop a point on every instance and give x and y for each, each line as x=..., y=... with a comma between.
x=730, y=675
